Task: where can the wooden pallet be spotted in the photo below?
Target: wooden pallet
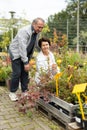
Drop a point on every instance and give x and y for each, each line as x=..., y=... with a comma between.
x=73, y=126
x=57, y=109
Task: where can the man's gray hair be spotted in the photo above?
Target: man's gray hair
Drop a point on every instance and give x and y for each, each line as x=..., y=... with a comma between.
x=37, y=19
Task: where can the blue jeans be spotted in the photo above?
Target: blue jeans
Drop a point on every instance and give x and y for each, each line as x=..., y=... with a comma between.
x=19, y=74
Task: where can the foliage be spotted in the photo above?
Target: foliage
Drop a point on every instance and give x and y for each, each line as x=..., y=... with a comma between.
x=66, y=21
x=83, y=41
x=5, y=41
x=9, y=28
x=5, y=72
x=59, y=38
x=5, y=66
x=27, y=101
x=74, y=69
x=78, y=111
x=68, y=80
x=32, y=67
x=47, y=82
x=45, y=30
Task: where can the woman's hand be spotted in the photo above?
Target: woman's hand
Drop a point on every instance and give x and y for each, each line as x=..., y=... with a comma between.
x=54, y=66
x=54, y=69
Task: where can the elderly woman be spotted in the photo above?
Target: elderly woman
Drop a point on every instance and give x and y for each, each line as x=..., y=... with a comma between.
x=45, y=61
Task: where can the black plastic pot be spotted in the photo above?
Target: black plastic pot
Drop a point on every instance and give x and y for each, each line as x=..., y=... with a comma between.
x=84, y=124
x=2, y=83
x=78, y=117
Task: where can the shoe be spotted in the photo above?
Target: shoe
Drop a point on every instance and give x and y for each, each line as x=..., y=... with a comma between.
x=25, y=94
x=13, y=96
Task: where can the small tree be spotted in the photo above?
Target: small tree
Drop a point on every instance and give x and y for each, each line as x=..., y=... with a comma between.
x=5, y=41
x=82, y=41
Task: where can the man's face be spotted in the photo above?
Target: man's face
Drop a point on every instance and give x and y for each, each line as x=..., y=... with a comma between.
x=38, y=26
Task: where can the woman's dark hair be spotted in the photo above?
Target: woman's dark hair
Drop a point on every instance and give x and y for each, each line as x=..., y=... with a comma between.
x=43, y=39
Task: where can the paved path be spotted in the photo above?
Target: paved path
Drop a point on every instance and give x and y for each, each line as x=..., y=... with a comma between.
x=11, y=119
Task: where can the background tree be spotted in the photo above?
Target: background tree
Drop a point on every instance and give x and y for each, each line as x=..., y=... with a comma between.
x=9, y=29
x=83, y=41
x=5, y=41
x=66, y=21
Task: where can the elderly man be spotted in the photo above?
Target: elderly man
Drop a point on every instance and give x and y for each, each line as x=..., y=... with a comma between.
x=21, y=50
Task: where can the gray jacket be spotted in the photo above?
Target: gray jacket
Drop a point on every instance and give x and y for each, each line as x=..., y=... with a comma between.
x=18, y=47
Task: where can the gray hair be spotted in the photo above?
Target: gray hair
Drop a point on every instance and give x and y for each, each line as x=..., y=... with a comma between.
x=37, y=19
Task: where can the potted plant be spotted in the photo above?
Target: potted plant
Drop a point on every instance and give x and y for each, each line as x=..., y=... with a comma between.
x=5, y=73
x=78, y=116
x=5, y=68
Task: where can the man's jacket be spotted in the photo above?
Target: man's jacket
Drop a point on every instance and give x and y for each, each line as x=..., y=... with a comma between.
x=18, y=47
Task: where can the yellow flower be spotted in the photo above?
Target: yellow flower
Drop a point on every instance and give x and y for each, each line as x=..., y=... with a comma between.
x=34, y=66
x=75, y=67
x=32, y=62
x=84, y=63
x=3, y=54
x=59, y=61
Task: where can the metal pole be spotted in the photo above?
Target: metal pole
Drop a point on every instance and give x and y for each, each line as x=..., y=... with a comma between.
x=67, y=30
x=11, y=33
x=12, y=16
x=78, y=26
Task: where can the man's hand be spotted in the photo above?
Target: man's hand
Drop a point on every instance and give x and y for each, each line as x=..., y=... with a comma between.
x=27, y=67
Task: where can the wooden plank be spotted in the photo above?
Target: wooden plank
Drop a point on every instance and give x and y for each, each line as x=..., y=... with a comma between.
x=68, y=106
x=73, y=126
x=50, y=115
x=57, y=108
x=58, y=114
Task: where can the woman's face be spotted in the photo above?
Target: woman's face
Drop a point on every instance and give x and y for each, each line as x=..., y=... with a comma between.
x=45, y=47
